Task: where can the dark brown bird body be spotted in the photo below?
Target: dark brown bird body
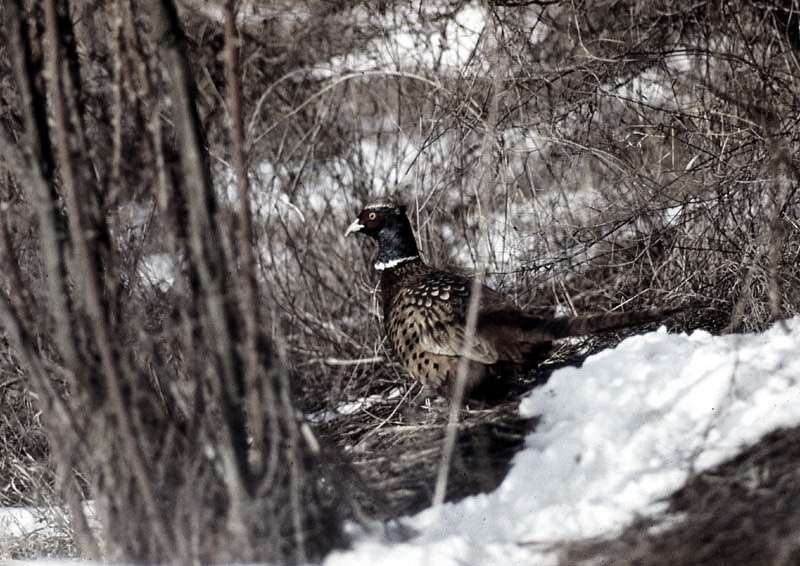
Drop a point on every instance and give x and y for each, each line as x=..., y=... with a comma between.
x=426, y=313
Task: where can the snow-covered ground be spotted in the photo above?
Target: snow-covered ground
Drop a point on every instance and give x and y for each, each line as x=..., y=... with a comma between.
x=616, y=436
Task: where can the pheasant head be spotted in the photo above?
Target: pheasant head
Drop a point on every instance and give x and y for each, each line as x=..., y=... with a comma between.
x=386, y=221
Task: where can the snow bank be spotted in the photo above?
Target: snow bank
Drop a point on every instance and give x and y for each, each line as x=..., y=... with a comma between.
x=617, y=436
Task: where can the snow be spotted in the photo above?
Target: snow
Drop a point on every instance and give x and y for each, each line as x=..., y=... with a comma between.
x=617, y=436
x=158, y=270
x=413, y=45
x=19, y=521
x=352, y=407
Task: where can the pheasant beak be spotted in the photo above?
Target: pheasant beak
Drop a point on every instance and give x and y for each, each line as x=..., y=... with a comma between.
x=356, y=226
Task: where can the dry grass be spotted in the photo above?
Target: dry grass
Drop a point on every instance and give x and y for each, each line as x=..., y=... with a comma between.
x=24, y=472
x=395, y=446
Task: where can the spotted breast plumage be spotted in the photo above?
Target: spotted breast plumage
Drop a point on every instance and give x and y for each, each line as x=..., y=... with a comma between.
x=426, y=313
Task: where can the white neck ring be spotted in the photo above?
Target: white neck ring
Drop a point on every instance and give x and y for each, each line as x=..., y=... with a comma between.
x=384, y=265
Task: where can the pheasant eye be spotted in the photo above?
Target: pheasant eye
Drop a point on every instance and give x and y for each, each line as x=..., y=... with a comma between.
x=372, y=216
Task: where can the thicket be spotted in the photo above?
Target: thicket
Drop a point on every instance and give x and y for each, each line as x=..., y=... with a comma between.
x=176, y=289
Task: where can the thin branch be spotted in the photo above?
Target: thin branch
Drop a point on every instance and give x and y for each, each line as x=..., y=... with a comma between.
x=246, y=288
x=34, y=165
x=206, y=256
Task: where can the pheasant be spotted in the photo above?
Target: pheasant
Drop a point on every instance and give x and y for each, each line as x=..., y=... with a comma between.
x=425, y=312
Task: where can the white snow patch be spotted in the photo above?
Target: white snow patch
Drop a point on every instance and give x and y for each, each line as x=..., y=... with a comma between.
x=19, y=521
x=158, y=270
x=414, y=45
x=352, y=407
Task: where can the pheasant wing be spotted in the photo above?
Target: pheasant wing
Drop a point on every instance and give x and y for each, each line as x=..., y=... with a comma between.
x=441, y=301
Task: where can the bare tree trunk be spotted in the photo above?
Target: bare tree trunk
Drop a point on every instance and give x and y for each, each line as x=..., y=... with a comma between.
x=183, y=425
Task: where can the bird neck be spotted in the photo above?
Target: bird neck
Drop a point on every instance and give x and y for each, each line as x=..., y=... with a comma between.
x=396, y=245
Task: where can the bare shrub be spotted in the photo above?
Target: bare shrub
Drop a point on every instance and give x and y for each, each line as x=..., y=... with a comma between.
x=176, y=405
